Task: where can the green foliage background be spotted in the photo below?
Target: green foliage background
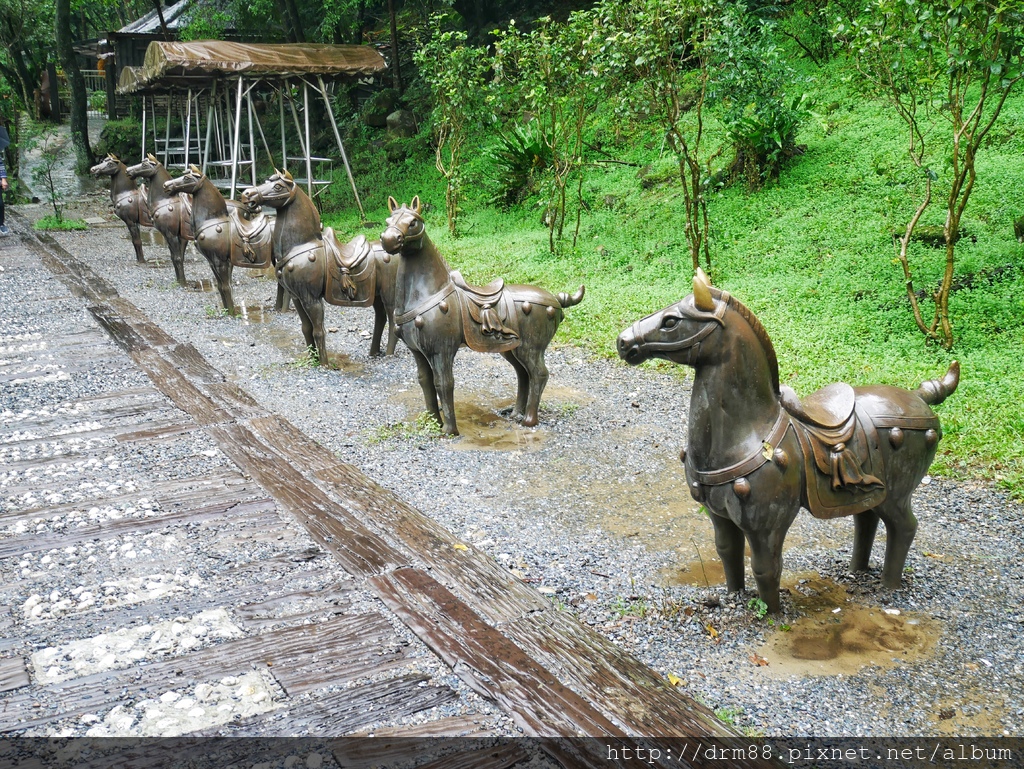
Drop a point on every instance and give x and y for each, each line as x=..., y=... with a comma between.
x=811, y=253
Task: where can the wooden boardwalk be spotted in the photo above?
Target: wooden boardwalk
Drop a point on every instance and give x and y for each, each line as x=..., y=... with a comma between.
x=182, y=510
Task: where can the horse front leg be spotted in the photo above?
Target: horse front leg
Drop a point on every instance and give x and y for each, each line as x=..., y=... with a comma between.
x=177, y=247
x=442, y=364
x=426, y=379
x=311, y=315
x=222, y=273
x=766, y=562
x=730, y=545
x=133, y=231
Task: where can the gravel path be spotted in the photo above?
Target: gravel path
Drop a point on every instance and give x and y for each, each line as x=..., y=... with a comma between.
x=591, y=508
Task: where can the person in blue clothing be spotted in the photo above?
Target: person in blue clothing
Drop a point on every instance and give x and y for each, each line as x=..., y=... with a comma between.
x=4, y=184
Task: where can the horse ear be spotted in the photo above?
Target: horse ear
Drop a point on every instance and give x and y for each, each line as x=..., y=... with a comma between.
x=151, y=157
x=415, y=205
x=702, y=298
x=392, y=204
x=195, y=170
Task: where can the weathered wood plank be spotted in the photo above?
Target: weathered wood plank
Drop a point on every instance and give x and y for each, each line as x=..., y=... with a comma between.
x=468, y=572
x=13, y=674
x=487, y=661
x=263, y=509
x=626, y=690
x=338, y=713
x=405, y=750
x=452, y=726
x=178, y=388
x=360, y=551
x=272, y=650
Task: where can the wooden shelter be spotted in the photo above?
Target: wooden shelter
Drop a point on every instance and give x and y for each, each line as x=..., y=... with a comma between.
x=205, y=90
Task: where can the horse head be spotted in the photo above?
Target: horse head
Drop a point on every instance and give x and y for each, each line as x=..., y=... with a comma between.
x=189, y=182
x=109, y=166
x=277, y=192
x=405, y=226
x=148, y=168
x=677, y=332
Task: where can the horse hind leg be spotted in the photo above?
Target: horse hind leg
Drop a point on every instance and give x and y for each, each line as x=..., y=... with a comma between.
x=532, y=360
x=522, y=385
x=379, y=319
x=900, y=529
x=865, y=525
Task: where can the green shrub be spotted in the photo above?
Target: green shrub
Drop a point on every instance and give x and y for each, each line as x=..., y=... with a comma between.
x=517, y=160
x=122, y=138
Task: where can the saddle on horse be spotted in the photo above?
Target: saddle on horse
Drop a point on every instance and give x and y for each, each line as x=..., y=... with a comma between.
x=842, y=461
x=250, y=240
x=485, y=312
x=351, y=271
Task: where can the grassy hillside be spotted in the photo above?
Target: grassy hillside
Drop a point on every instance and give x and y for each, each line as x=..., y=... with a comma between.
x=811, y=254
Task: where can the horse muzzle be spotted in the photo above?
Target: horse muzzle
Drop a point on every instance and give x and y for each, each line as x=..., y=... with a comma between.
x=629, y=348
x=392, y=240
x=251, y=197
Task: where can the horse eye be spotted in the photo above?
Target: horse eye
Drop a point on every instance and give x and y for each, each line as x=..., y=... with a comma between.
x=669, y=323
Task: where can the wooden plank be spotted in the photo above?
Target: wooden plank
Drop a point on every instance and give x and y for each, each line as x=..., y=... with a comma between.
x=452, y=726
x=296, y=605
x=487, y=661
x=361, y=551
x=336, y=714
x=178, y=388
x=446, y=753
x=626, y=690
x=262, y=509
x=272, y=650
x=13, y=674
x=468, y=572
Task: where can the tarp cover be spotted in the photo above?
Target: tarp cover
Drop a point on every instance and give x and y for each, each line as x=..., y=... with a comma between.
x=212, y=58
x=129, y=80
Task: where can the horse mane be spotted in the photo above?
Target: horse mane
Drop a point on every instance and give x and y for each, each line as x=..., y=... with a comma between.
x=759, y=331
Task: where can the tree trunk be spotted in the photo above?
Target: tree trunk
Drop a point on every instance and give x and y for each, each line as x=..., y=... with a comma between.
x=79, y=97
x=396, y=69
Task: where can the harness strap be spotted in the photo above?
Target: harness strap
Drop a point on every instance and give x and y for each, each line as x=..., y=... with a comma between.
x=748, y=465
x=427, y=304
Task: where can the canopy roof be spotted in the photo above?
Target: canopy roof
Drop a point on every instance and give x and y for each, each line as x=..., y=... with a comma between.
x=210, y=59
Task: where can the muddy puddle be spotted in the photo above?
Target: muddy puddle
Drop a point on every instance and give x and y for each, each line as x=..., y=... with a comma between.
x=254, y=313
x=202, y=284
x=838, y=635
x=152, y=238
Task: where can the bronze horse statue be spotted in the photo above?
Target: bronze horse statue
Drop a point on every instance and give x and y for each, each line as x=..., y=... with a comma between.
x=227, y=233
x=172, y=214
x=757, y=453
x=314, y=267
x=437, y=312
x=130, y=203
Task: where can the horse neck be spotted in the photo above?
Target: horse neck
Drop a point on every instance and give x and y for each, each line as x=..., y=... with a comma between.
x=156, y=184
x=208, y=202
x=734, y=404
x=297, y=222
x=422, y=272
x=121, y=182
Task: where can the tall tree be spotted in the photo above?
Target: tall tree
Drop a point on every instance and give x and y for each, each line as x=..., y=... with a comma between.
x=946, y=68
x=79, y=96
x=26, y=28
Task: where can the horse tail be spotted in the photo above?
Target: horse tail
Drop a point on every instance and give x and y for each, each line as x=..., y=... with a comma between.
x=934, y=391
x=566, y=300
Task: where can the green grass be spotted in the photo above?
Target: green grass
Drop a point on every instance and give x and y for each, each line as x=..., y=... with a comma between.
x=50, y=223
x=811, y=254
